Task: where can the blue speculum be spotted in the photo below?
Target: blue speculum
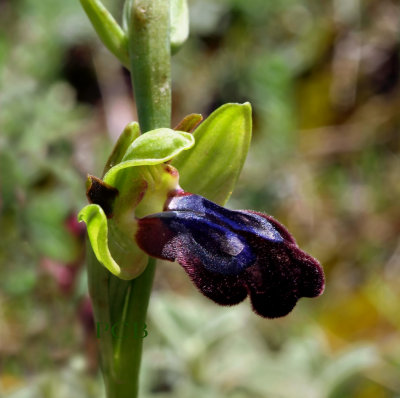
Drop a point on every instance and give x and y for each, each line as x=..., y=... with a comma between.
x=232, y=254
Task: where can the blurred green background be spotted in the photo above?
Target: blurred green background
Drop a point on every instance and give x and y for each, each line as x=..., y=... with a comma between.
x=324, y=81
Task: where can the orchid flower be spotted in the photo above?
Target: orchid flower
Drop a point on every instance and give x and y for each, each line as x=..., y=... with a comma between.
x=227, y=254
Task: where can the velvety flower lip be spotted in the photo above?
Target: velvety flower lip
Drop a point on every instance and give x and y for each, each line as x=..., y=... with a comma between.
x=233, y=219
x=229, y=254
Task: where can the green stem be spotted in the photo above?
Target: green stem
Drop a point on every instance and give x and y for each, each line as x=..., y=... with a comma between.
x=131, y=331
x=150, y=53
x=98, y=280
x=118, y=302
x=120, y=309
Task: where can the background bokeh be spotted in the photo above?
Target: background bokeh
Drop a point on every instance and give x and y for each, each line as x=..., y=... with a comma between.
x=323, y=78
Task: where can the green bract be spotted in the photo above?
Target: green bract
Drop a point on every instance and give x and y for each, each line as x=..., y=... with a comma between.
x=138, y=179
x=115, y=38
x=108, y=29
x=179, y=24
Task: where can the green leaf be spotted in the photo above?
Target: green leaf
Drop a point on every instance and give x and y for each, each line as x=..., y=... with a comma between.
x=130, y=133
x=108, y=30
x=179, y=24
x=212, y=167
x=155, y=147
x=131, y=261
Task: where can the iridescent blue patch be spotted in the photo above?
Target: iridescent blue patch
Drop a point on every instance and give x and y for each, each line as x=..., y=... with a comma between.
x=233, y=219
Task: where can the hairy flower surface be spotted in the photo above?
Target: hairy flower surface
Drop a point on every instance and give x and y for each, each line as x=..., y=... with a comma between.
x=231, y=254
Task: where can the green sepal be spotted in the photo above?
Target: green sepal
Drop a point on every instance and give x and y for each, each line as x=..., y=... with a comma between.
x=131, y=261
x=96, y=223
x=212, y=167
x=108, y=30
x=158, y=146
x=179, y=24
x=155, y=147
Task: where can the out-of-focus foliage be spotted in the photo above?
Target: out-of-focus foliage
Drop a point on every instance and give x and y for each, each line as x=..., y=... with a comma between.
x=323, y=78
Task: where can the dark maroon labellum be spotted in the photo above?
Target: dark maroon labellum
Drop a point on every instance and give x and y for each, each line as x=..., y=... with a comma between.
x=231, y=254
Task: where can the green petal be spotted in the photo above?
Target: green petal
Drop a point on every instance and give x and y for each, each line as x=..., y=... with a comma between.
x=132, y=259
x=189, y=122
x=155, y=147
x=212, y=167
x=179, y=24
